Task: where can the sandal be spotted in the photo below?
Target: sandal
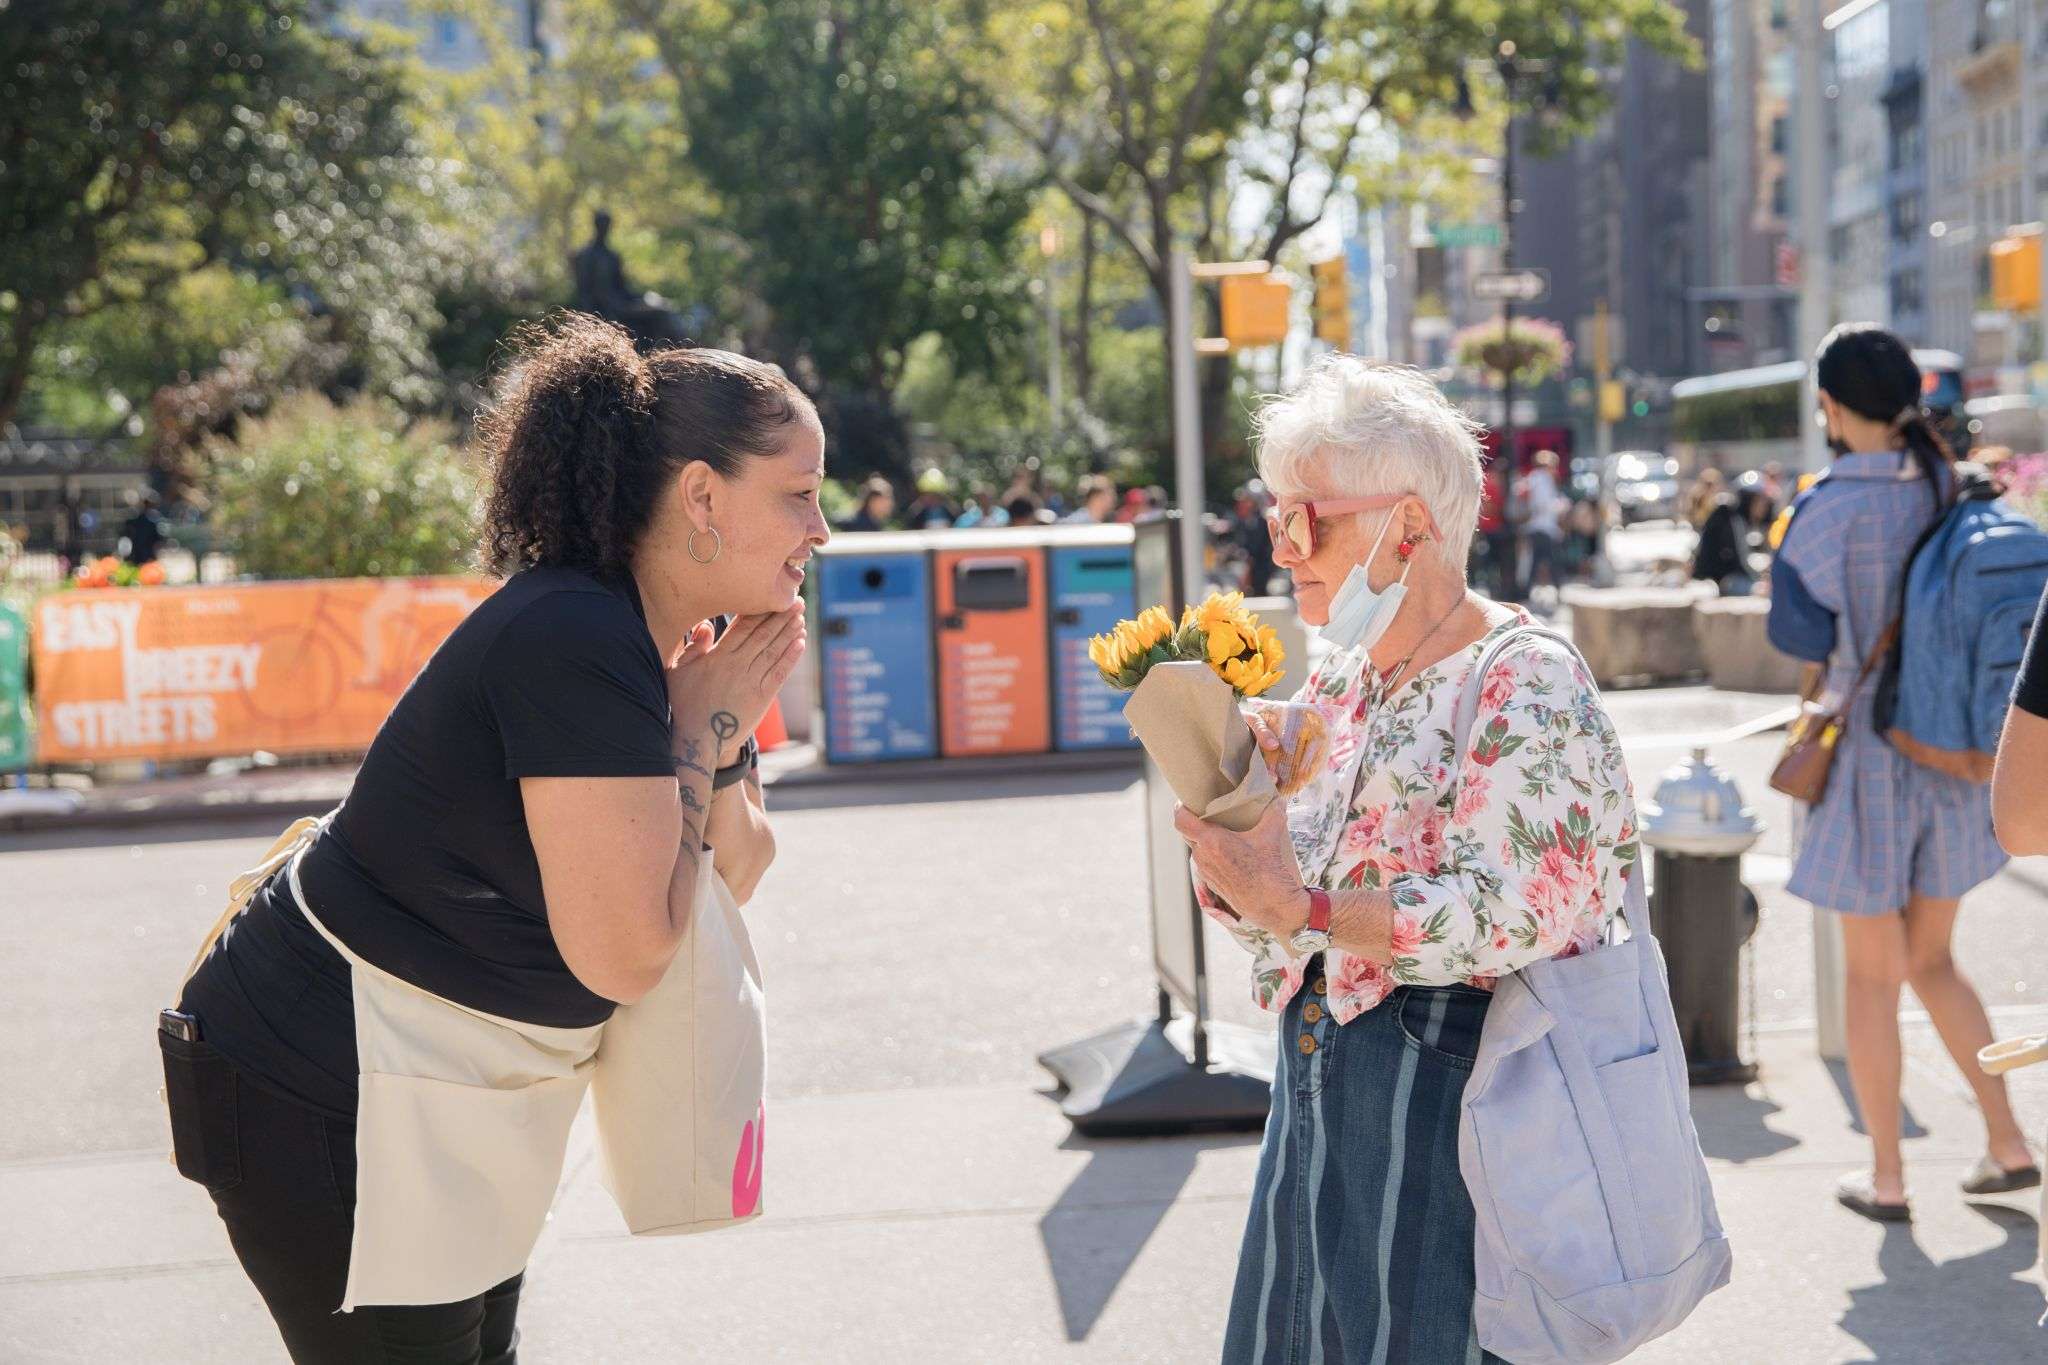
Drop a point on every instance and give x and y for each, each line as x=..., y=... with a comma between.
x=1858, y=1193
x=1988, y=1177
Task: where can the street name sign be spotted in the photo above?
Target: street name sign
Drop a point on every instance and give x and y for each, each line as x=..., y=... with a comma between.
x=1523, y=286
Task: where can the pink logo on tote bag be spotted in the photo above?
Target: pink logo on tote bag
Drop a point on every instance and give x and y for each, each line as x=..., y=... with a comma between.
x=746, y=1167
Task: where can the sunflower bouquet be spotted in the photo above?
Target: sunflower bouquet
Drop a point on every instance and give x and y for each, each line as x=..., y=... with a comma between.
x=1188, y=681
x=1219, y=633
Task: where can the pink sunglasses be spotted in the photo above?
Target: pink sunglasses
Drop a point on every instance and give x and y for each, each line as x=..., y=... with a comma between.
x=1293, y=520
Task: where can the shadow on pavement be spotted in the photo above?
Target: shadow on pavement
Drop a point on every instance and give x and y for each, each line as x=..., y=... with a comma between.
x=1838, y=1072
x=923, y=790
x=1969, y=1309
x=1101, y=1222
x=1732, y=1124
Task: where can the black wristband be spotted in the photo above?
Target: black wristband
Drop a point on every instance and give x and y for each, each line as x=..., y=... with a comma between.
x=738, y=769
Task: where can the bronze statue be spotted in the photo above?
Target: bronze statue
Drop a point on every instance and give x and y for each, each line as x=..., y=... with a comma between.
x=601, y=288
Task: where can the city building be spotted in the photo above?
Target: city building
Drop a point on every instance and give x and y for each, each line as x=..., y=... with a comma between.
x=1746, y=307
x=1987, y=127
x=1859, y=204
x=1905, y=103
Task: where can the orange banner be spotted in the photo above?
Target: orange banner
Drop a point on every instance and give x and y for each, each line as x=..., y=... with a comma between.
x=203, y=672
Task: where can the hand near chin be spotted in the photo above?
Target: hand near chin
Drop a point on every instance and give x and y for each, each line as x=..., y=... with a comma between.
x=724, y=686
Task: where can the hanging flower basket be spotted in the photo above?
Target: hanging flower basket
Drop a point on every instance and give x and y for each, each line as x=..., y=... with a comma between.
x=1531, y=349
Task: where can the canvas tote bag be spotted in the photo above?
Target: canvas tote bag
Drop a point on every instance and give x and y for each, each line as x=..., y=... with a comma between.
x=1596, y=1229
x=679, y=1083
x=464, y=1117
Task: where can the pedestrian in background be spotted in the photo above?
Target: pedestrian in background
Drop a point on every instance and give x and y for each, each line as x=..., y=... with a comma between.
x=1097, y=496
x=1701, y=498
x=1496, y=537
x=521, y=850
x=932, y=508
x=1541, y=508
x=1251, y=533
x=142, y=535
x=877, y=507
x=981, y=511
x=1892, y=846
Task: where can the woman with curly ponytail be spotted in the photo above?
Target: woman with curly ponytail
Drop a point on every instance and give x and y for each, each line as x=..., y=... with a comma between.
x=1891, y=846
x=523, y=844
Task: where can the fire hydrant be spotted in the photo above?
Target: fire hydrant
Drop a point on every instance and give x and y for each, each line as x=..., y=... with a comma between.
x=1699, y=828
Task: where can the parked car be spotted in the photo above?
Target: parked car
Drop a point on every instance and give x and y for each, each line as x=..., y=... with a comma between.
x=1645, y=486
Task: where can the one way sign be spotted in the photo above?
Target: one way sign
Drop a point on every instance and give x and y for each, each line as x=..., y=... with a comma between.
x=1523, y=286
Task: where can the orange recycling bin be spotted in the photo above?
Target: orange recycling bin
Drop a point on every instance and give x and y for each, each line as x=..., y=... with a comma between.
x=995, y=676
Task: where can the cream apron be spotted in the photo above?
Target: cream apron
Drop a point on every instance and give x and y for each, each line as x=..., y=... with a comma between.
x=464, y=1117
x=2011, y=1054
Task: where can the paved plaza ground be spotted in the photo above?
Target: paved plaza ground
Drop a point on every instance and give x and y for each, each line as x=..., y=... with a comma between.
x=923, y=941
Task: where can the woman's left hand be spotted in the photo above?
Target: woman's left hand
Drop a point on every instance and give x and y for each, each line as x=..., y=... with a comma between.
x=1254, y=873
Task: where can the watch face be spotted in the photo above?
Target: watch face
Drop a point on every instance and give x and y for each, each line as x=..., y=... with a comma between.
x=1306, y=941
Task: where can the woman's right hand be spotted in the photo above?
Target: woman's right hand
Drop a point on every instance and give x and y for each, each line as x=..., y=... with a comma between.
x=723, y=687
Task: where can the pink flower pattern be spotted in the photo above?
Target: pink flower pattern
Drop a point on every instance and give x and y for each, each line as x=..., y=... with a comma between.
x=1498, y=856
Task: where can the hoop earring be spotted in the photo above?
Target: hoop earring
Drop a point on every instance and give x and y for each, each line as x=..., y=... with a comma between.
x=717, y=545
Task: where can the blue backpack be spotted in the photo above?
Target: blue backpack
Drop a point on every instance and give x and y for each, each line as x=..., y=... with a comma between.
x=1973, y=585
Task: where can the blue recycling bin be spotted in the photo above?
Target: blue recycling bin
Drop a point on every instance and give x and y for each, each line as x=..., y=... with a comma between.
x=876, y=670
x=1091, y=591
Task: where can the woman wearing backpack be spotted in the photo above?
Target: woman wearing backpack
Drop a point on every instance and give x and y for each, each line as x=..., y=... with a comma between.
x=1891, y=846
x=1386, y=898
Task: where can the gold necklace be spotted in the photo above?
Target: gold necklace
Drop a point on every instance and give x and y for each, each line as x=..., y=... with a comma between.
x=1388, y=689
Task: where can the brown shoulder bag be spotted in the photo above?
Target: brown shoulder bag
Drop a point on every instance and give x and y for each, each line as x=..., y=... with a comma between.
x=1802, y=771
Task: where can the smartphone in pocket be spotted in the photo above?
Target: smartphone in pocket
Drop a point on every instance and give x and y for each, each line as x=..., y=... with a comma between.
x=200, y=1092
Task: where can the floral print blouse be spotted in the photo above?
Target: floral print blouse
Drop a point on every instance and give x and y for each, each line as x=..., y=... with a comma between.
x=1510, y=852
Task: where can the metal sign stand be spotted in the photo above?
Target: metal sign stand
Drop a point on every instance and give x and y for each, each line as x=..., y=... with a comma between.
x=1166, y=1074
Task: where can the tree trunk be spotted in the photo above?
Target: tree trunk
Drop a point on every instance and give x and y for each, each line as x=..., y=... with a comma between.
x=19, y=357
x=1082, y=360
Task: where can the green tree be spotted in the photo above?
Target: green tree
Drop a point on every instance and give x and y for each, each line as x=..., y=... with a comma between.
x=1181, y=121
x=144, y=140
x=848, y=159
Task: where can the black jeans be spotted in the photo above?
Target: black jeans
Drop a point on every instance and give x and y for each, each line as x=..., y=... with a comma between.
x=283, y=1179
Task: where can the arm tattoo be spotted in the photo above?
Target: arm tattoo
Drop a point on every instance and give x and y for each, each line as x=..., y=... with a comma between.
x=691, y=801
x=691, y=757
x=725, y=725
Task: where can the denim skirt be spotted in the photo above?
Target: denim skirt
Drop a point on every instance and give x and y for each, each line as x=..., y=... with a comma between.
x=1358, y=1248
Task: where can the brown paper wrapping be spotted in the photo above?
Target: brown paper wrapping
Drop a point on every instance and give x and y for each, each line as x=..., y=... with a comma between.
x=1187, y=718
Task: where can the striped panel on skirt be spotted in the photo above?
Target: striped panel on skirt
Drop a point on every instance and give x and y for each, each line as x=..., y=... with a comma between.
x=1358, y=1247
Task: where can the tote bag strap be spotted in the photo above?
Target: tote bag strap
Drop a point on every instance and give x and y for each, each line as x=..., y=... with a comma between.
x=243, y=889
x=1635, y=906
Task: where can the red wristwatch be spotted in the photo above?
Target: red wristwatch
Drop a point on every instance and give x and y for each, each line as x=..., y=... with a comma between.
x=1313, y=937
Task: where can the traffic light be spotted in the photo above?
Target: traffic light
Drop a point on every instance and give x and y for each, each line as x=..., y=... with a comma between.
x=2016, y=271
x=1255, y=310
x=1333, y=302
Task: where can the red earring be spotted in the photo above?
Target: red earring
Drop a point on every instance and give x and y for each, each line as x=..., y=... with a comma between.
x=1406, y=549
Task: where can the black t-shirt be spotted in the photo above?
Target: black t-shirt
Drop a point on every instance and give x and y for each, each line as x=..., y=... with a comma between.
x=2030, y=692
x=426, y=870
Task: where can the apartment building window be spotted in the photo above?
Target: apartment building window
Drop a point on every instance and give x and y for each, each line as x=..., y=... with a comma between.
x=1779, y=138
x=1906, y=294
x=1906, y=146
x=1781, y=197
x=1907, y=211
x=447, y=34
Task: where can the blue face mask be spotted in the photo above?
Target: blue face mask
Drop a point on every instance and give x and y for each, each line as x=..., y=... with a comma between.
x=1358, y=615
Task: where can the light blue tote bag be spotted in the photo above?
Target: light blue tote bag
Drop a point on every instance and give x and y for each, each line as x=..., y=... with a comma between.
x=1596, y=1230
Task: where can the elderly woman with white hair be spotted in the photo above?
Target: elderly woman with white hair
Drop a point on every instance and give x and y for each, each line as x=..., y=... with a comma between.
x=1384, y=899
